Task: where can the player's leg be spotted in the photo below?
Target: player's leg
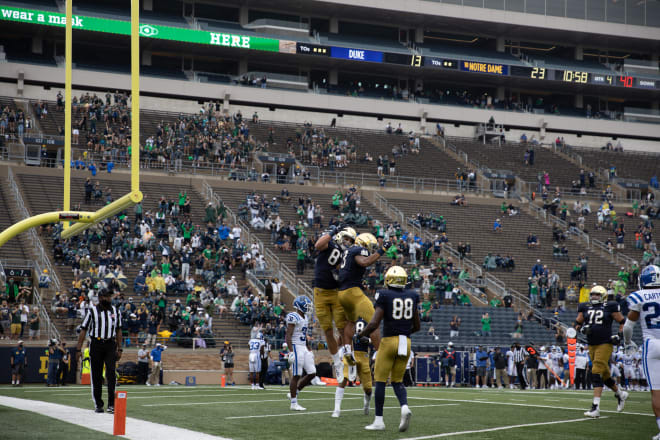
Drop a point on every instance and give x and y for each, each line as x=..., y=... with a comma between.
x=348, y=299
x=297, y=371
x=339, y=318
x=364, y=373
x=383, y=367
x=650, y=363
x=398, y=369
x=339, y=392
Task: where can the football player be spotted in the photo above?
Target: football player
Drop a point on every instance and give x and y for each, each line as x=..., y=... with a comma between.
x=397, y=307
x=361, y=369
x=326, y=284
x=594, y=319
x=359, y=254
x=256, y=352
x=300, y=356
x=645, y=304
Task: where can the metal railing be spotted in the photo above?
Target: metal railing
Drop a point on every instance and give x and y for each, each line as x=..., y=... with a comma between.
x=42, y=261
x=45, y=322
x=281, y=270
x=473, y=290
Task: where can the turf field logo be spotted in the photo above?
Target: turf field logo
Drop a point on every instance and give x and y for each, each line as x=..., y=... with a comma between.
x=147, y=30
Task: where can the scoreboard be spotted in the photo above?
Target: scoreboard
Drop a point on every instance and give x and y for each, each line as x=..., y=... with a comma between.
x=480, y=67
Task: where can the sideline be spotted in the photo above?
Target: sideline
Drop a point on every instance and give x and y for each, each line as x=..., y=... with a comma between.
x=136, y=429
x=500, y=428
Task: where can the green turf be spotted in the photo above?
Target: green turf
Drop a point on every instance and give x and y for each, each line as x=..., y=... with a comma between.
x=225, y=412
x=22, y=425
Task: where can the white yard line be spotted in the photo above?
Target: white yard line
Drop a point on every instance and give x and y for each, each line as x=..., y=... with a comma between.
x=302, y=413
x=500, y=428
x=135, y=429
x=488, y=402
x=239, y=402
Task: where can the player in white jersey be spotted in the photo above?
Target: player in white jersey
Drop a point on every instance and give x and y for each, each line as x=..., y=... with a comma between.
x=254, y=358
x=556, y=360
x=629, y=371
x=644, y=306
x=300, y=357
x=511, y=368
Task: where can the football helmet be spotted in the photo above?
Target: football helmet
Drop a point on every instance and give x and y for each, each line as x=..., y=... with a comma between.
x=260, y=336
x=597, y=294
x=346, y=236
x=396, y=276
x=649, y=277
x=303, y=304
x=367, y=241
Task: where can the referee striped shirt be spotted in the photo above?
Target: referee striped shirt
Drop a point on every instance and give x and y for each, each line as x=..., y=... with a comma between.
x=519, y=354
x=102, y=324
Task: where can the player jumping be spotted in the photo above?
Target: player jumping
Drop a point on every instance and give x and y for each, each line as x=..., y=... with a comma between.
x=397, y=307
x=357, y=257
x=326, y=301
x=594, y=319
x=645, y=304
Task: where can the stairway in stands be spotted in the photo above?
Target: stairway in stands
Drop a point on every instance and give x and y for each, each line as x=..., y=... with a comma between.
x=44, y=193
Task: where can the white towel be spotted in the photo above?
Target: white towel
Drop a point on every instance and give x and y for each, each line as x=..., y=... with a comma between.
x=403, y=346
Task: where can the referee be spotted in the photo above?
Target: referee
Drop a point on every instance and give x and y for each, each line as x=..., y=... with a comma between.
x=103, y=324
x=519, y=358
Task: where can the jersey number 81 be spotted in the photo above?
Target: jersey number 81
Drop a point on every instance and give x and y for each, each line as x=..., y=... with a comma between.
x=334, y=257
x=402, y=308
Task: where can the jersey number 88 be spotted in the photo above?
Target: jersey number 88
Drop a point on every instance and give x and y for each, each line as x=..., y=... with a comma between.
x=402, y=308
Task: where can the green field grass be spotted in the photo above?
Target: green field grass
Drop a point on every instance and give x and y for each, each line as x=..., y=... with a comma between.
x=240, y=413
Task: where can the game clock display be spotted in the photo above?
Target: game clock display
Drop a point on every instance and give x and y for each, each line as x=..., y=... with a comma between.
x=572, y=76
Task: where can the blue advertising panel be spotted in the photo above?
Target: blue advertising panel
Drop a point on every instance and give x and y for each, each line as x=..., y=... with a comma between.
x=356, y=54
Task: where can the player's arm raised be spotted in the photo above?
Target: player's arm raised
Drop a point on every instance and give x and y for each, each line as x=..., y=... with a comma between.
x=371, y=259
x=322, y=243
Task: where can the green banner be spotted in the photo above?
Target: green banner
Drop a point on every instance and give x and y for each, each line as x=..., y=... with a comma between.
x=121, y=27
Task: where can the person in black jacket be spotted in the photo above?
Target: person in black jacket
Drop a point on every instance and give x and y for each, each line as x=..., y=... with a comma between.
x=500, y=360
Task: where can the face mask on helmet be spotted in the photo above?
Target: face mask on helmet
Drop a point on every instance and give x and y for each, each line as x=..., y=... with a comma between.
x=649, y=277
x=396, y=277
x=597, y=294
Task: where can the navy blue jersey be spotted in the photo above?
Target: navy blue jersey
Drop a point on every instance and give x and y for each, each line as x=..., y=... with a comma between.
x=599, y=319
x=399, y=306
x=325, y=270
x=360, y=324
x=351, y=273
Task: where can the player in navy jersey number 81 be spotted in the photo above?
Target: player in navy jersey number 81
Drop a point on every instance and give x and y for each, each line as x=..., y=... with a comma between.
x=595, y=320
x=326, y=284
x=397, y=307
x=360, y=254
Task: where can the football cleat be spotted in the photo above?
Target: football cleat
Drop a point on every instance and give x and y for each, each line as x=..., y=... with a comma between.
x=656, y=437
x=594, y=412
x=375, y=426
x=621, y=400
x=111, y=410
x=352, y=373
x=296, y=407
x=339, y=371
x=348, y=355
x=335, y=414
x=406, y=414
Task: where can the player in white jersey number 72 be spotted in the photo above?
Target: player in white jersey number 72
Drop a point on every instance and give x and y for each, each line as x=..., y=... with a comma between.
x=644, y=306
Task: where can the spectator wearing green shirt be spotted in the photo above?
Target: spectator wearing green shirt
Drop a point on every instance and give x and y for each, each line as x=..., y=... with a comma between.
x=485, y=324
x=624, y=275
x=533, y=292
x=300, y=262
x=464, y=300
x=495, y=302
x=426, y=309
x=33, y=322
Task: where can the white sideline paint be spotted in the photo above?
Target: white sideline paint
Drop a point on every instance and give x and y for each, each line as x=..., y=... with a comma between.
x=239, y=402
x=135, y=429
x=500, y=428
x=302, y=413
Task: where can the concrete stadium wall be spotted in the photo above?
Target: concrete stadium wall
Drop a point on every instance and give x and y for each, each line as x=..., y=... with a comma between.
x=457, y=121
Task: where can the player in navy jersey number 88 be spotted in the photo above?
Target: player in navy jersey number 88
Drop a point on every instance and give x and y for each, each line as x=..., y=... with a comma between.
x=326, y=284
x=595, y=319
x=361, y=253
x=397, y=307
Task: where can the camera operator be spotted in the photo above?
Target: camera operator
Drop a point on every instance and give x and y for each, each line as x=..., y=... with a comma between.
x=55, y=355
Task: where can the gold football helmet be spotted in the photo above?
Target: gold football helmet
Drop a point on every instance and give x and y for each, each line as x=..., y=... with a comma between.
x=347, y=232
x=367, y=241
x=396, y=276
x=597, y=294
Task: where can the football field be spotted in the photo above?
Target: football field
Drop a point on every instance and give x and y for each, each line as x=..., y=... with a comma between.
x=241, y=413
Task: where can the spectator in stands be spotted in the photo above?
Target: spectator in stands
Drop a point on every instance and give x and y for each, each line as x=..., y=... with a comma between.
x=532, y=241
x=454, y=326
x=485, y=325
x=497, y=225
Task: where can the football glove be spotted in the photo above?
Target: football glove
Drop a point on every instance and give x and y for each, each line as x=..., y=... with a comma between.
x=616, y=339
x=332, y=230
x=585, y=330
x=360, y=340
